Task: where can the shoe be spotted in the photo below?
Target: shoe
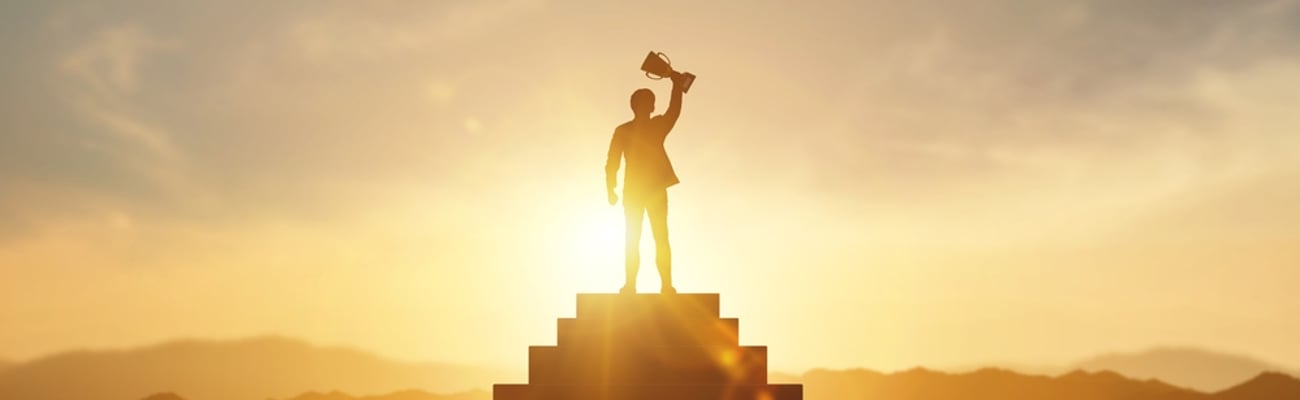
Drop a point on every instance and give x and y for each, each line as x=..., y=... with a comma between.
x=667, y=290
x=628, y=289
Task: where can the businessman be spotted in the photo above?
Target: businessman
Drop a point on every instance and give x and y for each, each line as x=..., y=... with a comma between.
x=646, y=179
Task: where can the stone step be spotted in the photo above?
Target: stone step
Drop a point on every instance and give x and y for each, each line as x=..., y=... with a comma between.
x=551, y=365
x=647, y=392
x=647, y=333
x=682, y=306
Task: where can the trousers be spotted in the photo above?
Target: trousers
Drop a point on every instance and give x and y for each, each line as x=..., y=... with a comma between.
x=652, y=204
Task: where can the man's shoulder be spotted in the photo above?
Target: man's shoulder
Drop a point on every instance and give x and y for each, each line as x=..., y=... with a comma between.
x=622, y=129
x=655, y=122
x=660, y=122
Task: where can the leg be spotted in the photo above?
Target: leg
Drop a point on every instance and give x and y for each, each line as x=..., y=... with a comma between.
x=634, y=211
x=657, y=209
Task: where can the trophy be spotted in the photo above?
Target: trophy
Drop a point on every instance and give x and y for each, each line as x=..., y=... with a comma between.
x=658, y=66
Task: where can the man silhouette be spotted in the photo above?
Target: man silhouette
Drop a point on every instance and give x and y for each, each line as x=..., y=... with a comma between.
x=646, y=180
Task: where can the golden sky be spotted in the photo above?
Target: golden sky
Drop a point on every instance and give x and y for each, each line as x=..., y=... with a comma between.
x=868, y=183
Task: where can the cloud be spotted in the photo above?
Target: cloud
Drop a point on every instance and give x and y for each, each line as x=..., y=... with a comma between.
x=203, y=112
x=1061, y=111
x=108, y=61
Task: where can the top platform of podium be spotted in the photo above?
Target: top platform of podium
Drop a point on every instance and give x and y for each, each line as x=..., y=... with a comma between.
x=647, y=305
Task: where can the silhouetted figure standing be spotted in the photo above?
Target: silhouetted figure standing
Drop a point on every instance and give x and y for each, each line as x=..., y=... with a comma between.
x=646, y=180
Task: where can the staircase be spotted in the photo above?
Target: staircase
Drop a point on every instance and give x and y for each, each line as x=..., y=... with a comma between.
x=647, y=347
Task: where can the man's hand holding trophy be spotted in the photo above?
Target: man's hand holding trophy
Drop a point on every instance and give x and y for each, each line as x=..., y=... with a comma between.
x=658, y=66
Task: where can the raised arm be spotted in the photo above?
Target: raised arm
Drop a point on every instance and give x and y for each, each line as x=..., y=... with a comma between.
x=611, y=165
x=674, y=103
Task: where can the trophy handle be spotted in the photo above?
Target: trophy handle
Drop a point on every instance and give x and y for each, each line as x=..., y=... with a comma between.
x=667, y=60
x=664, y=57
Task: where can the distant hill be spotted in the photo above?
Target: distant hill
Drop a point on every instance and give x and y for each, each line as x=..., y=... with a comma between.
x=1266, y=386
x=985, y=384
x=997, y=384
x=1188, y=367
x=253, y=369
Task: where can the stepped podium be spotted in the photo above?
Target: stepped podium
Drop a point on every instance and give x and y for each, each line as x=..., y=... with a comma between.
x=647, y=347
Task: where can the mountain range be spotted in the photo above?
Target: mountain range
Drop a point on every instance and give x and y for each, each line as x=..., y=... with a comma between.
x=1188, y=367
x=254, y=369
x=1269, y=385
x=280, y=368
x=990, y=384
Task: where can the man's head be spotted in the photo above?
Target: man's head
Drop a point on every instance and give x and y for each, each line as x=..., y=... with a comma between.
x=643, y=102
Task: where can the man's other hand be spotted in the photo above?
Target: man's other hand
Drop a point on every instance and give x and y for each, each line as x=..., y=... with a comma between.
x=613, y=198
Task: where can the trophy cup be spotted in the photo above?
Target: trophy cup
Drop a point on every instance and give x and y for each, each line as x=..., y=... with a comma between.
x=658, y=66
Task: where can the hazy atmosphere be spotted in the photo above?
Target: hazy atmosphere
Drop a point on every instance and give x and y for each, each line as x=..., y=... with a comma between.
x=877, y=184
